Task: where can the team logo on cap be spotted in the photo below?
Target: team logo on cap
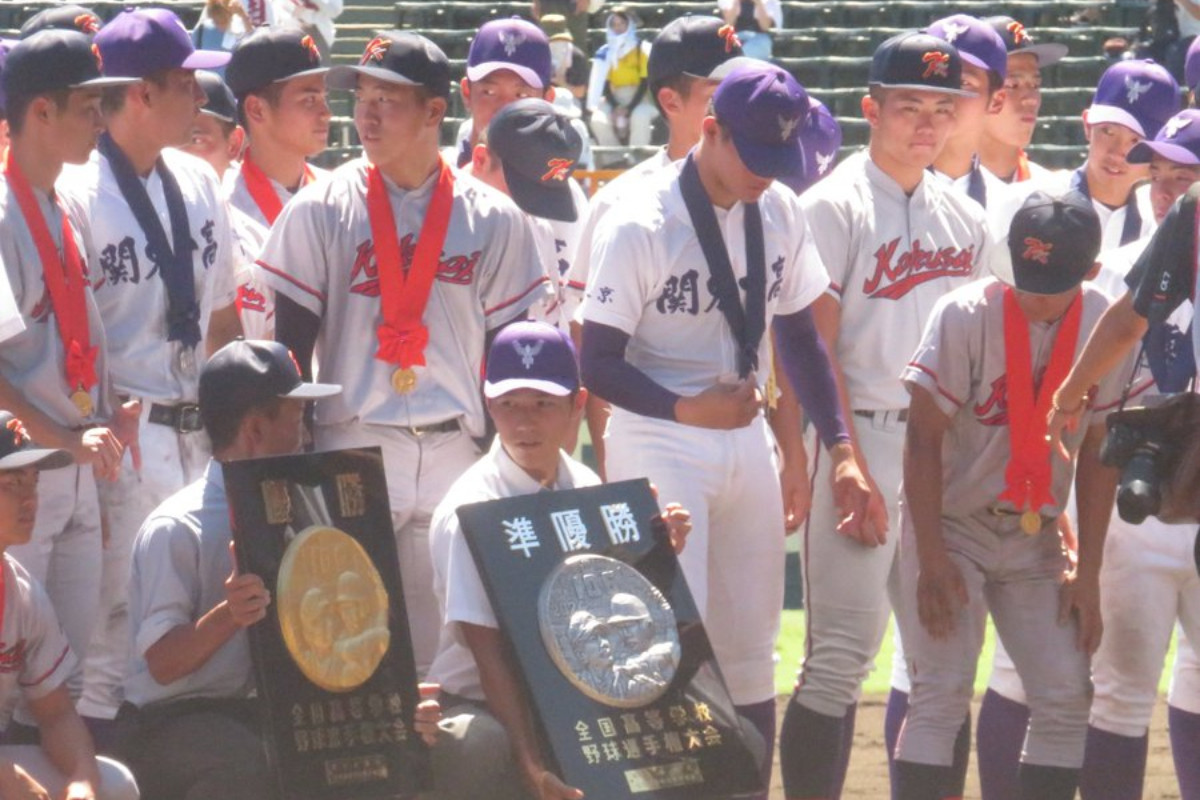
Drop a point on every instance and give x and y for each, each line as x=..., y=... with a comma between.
x=528, y=352
x=1017, y=30
x=824, y=162
x=511, y=42
x=314, y=55
x=295, y=363
x=952, y=31
x=96, y=55
x=1037, y=250
x=936, y=64
x=1135, y=89
x=787, y=127
x=730, y=36
x=557, y=169
x=1174, y=126
x=87, y=23
x=17, y=428
x=376, y=50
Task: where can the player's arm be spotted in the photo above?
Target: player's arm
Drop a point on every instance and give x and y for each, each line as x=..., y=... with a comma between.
x=67, y=742
x=1095, y=489
x=507, y=701
x=940, y=588
x=296, y=328
x=787, y=423
x=224, y=325
x=597, y=410
x=98, y=446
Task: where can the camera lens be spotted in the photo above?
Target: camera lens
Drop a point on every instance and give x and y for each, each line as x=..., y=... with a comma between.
x=1139, y=494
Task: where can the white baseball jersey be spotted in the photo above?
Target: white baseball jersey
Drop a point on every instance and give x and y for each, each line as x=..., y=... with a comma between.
x=320, y=254
x=34, y=656
x=1112, y=220
x=890, y=257
x=649, y=279
x=31, y=349
x=456, y=582
x=130, y=293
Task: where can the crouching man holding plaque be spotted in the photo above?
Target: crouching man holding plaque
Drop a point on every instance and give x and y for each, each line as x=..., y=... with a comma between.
x=190, y=725
x=489, y=747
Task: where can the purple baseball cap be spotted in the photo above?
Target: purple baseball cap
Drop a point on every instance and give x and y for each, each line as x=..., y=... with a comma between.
x=820, y=138
x=513, y=44
x=977, y=42
x=142, y=41
x=764, y=108
x=1017, y=40
x=531, y=355
x=1178, y=141
x=1141, y=95
x=1191, y=65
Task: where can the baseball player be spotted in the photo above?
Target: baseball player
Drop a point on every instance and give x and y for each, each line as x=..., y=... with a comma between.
x=279, y=82
x=336, y=259
x=54, y=357
x=38, y=658
x=61, y=16
x=153, y=220
x=681, y=376
x=983, y=537
x=216, y=136
x=894, y=239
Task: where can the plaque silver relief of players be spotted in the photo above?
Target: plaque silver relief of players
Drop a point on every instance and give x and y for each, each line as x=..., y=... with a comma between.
x=609, y=630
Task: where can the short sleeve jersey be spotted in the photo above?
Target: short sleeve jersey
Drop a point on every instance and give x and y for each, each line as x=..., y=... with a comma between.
x=130, y=292
x=180, y=563
x=961, y=363
x=456, y=580
x=320, y=254
x=649, y=279
x=34, y=656
x=890, y=257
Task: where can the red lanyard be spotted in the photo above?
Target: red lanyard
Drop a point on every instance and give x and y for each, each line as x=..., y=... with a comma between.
x=261, y=190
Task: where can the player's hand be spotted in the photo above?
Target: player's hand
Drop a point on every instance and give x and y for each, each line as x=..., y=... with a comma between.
x=1079, y=598
x=548, y=786
x=80, y=790
x=245, y=595
x=428, y=713
x=124, y=425
x=862, y=513
x=678, y=522
x=724, y=406
x=101, y=448
x=17, y=784
x=1065, y=413
x=797, y=495
x=941, y=593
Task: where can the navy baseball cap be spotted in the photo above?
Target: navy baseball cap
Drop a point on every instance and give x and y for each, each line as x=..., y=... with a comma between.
x=1141, y=95
x=764, y=108
x=1053, y=242
x=820, y=138
x=976, y=41
x=398, y=57
x=531, y=355
x=271, y=55
x=18, y=451
x=538, y=150
x=66, y=17
x=247, y=373
x=691, y=45
x=141, y=41
x=915, y=60
x=221, y=102
x=52, y=60
x=1018, y=40
x=1178, y=141
x=1191, y=65
x=513, y=44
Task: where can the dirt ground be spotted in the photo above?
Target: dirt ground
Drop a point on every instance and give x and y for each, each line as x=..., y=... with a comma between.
x=868, y=763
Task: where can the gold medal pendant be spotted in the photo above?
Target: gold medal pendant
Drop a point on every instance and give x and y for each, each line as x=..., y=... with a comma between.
x=83, y=402
x=404, y=380
x=1031, y=522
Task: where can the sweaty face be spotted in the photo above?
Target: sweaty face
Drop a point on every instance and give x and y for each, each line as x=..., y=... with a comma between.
x=909, y=127
x=1168, y=181
x=490, y=94
x=1015, y=123
x=300, y=120
x=1108, y=145
x=391, y=118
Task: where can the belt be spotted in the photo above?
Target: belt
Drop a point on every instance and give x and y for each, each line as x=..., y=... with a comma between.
x=184, y=418
x=445, y=426
x=897, y=415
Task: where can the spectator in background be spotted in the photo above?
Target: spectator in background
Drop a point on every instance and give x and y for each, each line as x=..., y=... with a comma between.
x=216, y=135
x=221, y=24
x=753, y=20
x=621, y=107
x=314, y=17
x=1187, y=21
x=574, y=12
x=568, y=64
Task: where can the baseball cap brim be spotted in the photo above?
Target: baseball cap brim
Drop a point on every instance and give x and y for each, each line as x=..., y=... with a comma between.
x=313, y=391
x=206, y=59
x=924, y=87
x=719, y=72
x=103, y=83
x=1047, y=53
x=1142, y=153
x=303, y=74
x=1100, y=114
x=541, y=199
x=499, y=388
x=346, y=76
x=770, y=160
x=481, y=71
x=40, y=457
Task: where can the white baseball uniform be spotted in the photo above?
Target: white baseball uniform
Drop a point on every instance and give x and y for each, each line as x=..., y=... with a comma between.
x=648, y=278
x=891, y=257
x=132, y=298
x=1016, y=577
x=320, y=255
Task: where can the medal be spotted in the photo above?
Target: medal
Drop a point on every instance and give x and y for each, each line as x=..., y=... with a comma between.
x=1031, y=523
x=83, y=402
x=404, y=380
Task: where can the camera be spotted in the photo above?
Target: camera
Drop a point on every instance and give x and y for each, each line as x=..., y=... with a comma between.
x=1148, y=444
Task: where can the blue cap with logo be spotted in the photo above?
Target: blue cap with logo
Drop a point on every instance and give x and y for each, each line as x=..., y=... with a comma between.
x=531, y=355
x=513, y=44
x=1141, y=95
x=764, y=108
x=401, y=57
x=820, y=138
x=1178, y=141
x=976, y=41
x=141, y=41
x=538, y=150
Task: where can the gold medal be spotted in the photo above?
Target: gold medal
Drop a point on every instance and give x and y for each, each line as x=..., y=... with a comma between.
x=404, y=380
x=1031, y=522
x=83, y=401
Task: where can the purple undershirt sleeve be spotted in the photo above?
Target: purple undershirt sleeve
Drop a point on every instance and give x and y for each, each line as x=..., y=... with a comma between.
x=608, y=375
x=806, y=364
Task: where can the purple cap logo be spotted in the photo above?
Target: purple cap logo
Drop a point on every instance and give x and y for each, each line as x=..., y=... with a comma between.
x=1141, y=95
x=1174, y=126
x=1178, y=141
x=531, y=355
x=512, y=44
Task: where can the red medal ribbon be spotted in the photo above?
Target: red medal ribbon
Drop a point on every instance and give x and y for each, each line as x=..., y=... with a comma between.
x=405, y=292
x=64, y=281
x=1023, y=173
x=261, y=190
x=1028, y=476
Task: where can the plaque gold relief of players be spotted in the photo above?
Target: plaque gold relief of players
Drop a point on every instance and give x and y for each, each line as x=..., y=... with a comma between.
x=609, y=630
x=333, y=609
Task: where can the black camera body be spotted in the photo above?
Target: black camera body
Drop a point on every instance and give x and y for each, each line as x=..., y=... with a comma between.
x=1147, y=443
